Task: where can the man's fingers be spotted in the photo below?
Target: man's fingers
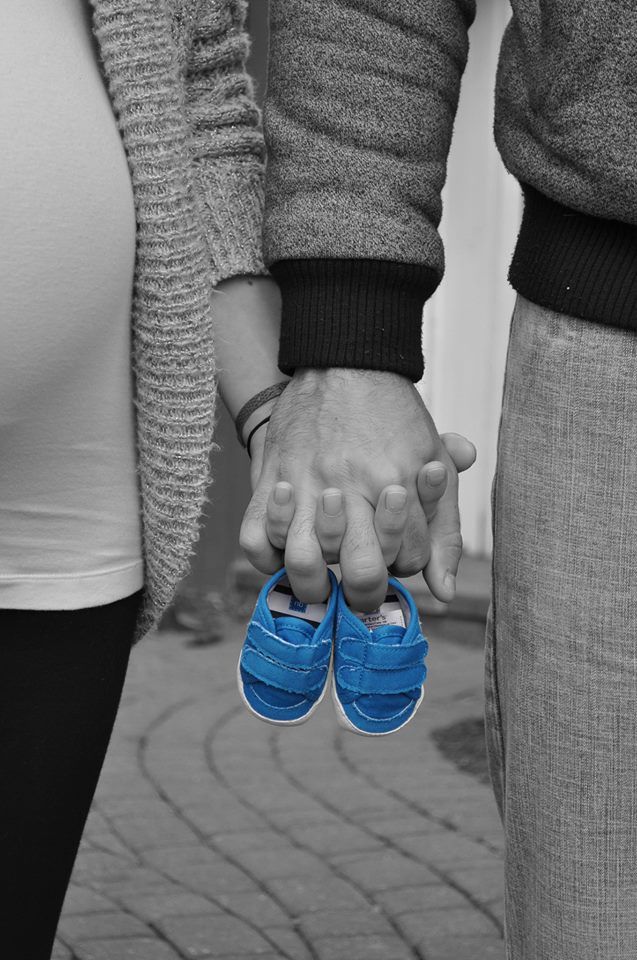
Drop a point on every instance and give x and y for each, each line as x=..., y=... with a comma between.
x=414, y=551
x=279, y=513
x=431, y=483
x=253, y=538
x=304, y=561
x=462, y=451
x=390, y=520
x=446, y=545
x=330, y=523
x=363, y=569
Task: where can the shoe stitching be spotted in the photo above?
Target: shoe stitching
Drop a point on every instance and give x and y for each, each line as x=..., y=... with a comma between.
x=288, y=643
x=271, y=706
x=381, y=719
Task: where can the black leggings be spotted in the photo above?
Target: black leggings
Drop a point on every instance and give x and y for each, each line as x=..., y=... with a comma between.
x=61, y=678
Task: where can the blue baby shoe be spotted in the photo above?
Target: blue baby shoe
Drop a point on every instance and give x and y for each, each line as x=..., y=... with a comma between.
x=285, y=660
x=379, y=664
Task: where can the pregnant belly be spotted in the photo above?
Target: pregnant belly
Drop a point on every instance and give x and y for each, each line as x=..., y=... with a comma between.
x=67, y=232
x=68, y=485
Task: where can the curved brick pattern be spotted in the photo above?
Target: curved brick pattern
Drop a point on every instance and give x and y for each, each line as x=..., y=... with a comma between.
x=215, y=836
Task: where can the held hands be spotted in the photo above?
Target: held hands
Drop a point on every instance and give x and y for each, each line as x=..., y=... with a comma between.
x=351, y=470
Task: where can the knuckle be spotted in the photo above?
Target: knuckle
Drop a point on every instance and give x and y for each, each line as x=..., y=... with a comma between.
x=429, y=447
x=301, y=564
x=391, y=523
x=329, y=467
x=365, y=577
x=453, y=541
x=387, y=474
x=411, y=564
x=250, y=542
x=277, y=539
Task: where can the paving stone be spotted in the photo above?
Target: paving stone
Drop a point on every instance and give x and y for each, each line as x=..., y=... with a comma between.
x=290, y=943
x=302, y=817
x=259, y=908
x=386, y=870
x=137, y=949
x=142, y=831
x=164, y=856
x=433, y=925
x=213, y=936
x=464, y=948
x=211, y=879
x=445, y=847
x=335, y=838
x=270, y=864
x=323, y=923
x=413, y=899
x=60, y=952
x=238, y=841
x=95, y=926
x=130, y=806
x=213, y=818
x=83, y=900
x=136, y=880
x=412, y=825
x=110, y=843
x=484, y=880
x=95, y=864
x=169, y=903
x=363, y=948
x=304, y=894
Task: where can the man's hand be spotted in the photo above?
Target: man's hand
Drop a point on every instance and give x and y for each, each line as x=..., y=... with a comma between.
x=359, y=431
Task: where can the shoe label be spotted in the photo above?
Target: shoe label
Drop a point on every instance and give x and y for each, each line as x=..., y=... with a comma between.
x=389, y=612
x=282, y=601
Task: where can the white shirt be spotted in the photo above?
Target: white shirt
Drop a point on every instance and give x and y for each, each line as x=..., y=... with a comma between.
x=70, y=526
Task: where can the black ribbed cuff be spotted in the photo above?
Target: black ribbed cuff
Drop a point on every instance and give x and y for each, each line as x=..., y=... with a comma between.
x=353, y=313
x=576, y=264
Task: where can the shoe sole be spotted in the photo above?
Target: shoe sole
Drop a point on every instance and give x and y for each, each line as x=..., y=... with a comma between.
x=344, y=721
x=284, y=723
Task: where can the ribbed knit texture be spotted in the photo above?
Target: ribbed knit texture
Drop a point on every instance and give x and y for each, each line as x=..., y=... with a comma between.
x=175, y=73
x=353, y=313
x=576, y=264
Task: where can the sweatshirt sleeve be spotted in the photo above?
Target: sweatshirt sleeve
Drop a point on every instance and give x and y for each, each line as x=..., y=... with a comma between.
x=359, y=111
x=226, y=141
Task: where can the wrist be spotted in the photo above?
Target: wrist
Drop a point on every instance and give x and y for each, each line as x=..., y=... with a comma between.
x=265, y=410
x=346, y=377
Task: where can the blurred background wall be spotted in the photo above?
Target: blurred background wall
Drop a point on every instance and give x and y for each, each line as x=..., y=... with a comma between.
x=465, y=324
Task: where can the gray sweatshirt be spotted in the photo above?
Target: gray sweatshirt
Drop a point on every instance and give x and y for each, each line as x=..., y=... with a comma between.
x=359, y=112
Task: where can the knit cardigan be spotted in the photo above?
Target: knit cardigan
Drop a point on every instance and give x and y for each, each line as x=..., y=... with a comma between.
x=175, y=71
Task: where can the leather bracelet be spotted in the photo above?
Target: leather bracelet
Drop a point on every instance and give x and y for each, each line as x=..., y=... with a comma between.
x=254, y=403
x=252, y=433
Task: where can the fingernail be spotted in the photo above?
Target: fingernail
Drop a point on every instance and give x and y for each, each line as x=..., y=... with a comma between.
x=435, y=476
x=282, y=494
x=450, y=581
x=332, y=503
x=395, y=500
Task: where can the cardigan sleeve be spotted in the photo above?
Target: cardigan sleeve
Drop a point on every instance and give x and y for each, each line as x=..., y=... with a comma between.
x=226, y=141
x=359, y=111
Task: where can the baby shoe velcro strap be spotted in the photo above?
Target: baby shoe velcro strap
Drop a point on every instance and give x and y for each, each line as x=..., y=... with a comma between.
x=383, y=656
x=302, y=655
x=307, y=681
x=360, y=680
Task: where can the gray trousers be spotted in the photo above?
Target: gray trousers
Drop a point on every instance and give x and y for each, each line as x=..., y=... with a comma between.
x=561, y=654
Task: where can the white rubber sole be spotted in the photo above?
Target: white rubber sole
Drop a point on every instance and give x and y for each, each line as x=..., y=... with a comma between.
x=284, y=723
x=344, y=721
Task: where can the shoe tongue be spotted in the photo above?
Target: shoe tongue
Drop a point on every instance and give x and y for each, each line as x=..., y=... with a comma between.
x=390, y=633
x=293, y=629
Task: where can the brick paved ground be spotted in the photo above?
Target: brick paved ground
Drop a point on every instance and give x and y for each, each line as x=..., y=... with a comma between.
x=213, y=835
